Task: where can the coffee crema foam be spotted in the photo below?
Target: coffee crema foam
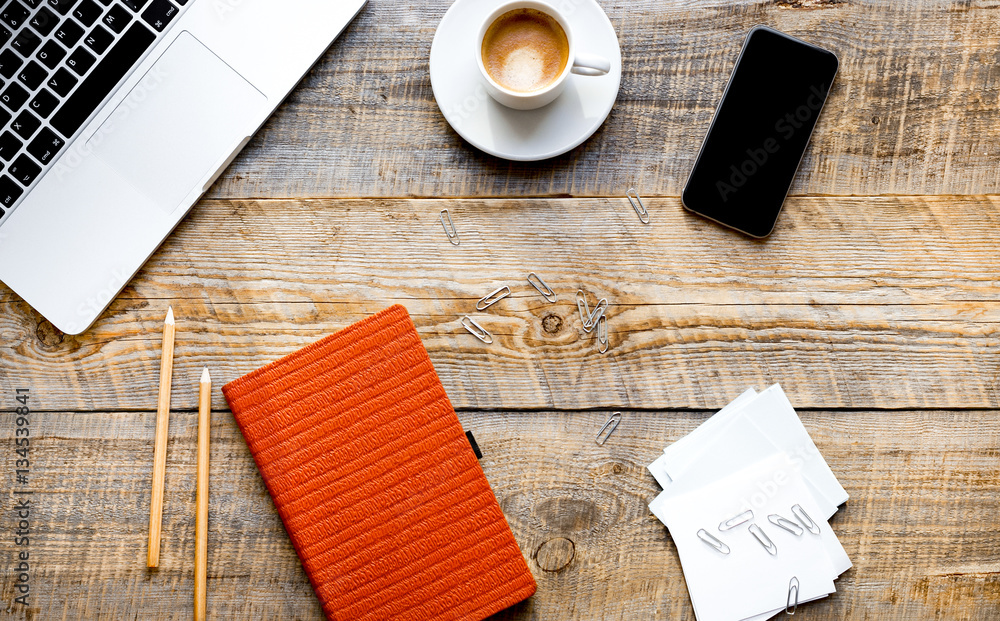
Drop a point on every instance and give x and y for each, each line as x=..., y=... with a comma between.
x=525, y=50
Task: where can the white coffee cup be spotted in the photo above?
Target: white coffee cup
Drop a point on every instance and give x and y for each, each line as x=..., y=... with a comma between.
x=578, y=62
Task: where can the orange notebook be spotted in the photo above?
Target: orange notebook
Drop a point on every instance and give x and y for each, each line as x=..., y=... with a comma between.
x=377, y=485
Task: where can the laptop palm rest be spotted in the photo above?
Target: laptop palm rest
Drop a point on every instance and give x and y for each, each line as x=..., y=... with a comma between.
x=193, y=108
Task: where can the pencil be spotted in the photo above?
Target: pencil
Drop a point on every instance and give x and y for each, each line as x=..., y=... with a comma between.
x=160, y=442
x=201, y=520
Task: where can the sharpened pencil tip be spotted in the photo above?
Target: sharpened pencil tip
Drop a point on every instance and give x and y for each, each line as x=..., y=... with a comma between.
x=170, y=315
x=205, y=377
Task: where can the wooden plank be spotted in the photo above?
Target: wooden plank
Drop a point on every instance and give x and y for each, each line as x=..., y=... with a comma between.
x=854, y=302
x=921, y=526
x=913, y=110
x=863, y=302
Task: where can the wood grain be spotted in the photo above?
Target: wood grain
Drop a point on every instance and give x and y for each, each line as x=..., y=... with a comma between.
x=914, y=109
x=860, y=302
x=920, y=526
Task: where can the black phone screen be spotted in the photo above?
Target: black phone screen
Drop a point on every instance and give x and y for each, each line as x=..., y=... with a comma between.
x=760, y=131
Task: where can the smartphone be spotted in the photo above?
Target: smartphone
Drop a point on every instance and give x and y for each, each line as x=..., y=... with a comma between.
x=760, y=131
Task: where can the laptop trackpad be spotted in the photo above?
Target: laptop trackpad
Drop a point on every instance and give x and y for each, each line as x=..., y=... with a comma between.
x=178, y=123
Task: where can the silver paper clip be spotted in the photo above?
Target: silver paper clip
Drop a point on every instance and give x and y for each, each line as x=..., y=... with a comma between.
x=449, y=227
x=582, y=306
x=591, y=322
x=763, y=539
x=717, y=545
x=793, y=588
x=477, y=330
x=736, y=520
x=609, y=427
x=602, y=334
x=807, y=521
x=786, y=524
x=541, y=287
x=640, y=209
x=492, y=298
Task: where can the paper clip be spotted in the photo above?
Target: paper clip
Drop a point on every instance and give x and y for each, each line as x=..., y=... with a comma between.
x=591, y=322
x=449, y=227
x=477, y=330
x=763, y=539
x=581, y=304
x=542, y=288
x=735, y=521
x=807, y=521
x=610, y=427
x=793, y=585
x=640, y=209
x=787, y=524
x=717, y=545
x=492, y=298
x=602, y=334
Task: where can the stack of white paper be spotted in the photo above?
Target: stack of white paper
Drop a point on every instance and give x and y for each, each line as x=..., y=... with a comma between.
x=746, y=497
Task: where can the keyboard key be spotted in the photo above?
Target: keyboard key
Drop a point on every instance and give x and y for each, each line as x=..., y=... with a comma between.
x=5, y=117
x=26, y=42
x=9, y=64
x=9, y=191
x=50, y=54
x=119, y=60
x=135, y=5
x=32, y=75
x=23, y=170
x=9, y=146
x=99, y=39
x=69, y=33
x=117, y=18
x=44, y=21
x=62, y=82
x=159, y=14
x=45, y=146
x=14, y=14
x=33, y=3
x=14, y=97
x=80, y=61
x=25, y=124
x=5, y=35
x=62, y=6
x=44, y=103
x=87, y=12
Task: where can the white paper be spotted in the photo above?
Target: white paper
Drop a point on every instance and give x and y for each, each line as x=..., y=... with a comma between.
x=749, y=581
x=774, y=416
x=691, y=441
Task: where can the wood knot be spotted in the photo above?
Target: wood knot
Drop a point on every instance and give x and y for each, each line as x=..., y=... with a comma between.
x=555, y=554
x=48, y=335
x=618, y=469
x=552, y=324
x=876, y=120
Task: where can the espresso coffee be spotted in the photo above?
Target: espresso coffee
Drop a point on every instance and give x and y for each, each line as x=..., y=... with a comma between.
x=525, y=50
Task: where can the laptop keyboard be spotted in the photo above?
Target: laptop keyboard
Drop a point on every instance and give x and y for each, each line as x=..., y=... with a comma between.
x=59, y=61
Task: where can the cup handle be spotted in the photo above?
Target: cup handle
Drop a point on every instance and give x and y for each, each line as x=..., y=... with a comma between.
x=590, y=64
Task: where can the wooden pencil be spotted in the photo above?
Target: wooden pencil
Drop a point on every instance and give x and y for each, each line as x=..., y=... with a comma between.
x=160, y=442
x=201, y=498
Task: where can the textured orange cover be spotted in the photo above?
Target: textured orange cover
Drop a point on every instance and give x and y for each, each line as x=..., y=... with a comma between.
x=375, y=481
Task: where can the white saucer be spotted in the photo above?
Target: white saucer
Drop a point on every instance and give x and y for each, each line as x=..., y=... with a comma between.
x=513, y=134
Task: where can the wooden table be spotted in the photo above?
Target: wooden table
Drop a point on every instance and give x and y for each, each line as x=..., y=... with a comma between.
x=875, y=304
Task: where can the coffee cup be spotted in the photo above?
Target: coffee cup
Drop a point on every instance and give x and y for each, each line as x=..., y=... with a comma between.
x=526, y=51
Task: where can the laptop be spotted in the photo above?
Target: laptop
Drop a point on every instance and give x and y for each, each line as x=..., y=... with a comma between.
x=117, y=115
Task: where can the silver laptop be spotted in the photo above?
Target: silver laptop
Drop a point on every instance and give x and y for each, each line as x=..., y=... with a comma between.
x=117, y=115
